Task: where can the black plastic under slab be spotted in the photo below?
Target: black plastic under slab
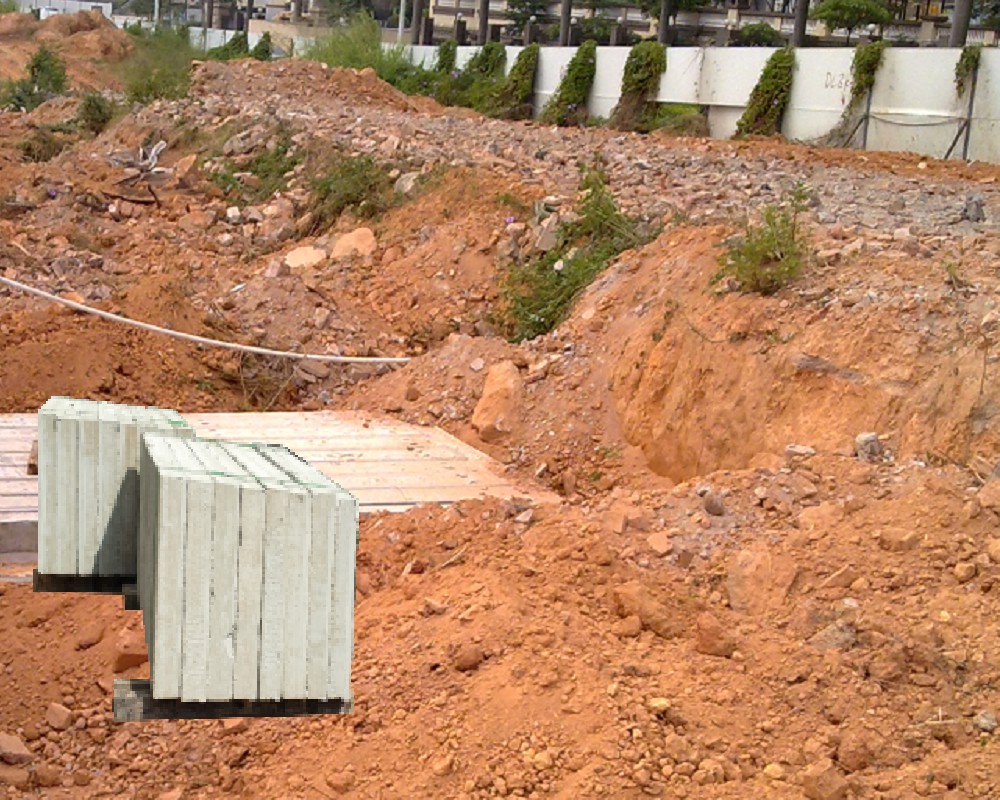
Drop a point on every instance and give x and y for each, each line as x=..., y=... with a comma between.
x=86, y=584
x=134, y=702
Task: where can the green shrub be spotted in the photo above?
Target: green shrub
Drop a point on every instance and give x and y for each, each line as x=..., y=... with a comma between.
x=447, y=52
x=95, y=112
x=769, y=97
x=358, y=45
x=760, y=34
x=159, y=66
x=269, y=168
x=357, y=183
x=851, y=14
x=538, y=294
x=647, y=61
x=680, y=119
x=568, y=106
x=771, y=253
x=514, y=98
x=46, y=79
x=9, y=7
x=237, y=47
x=264, y=49
x=42, y=145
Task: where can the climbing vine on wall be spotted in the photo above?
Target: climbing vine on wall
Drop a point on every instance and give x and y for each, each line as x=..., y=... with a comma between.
x=967, y=64
x=514, y=98
x=867, y=60
x=647, y=61
x=769, y=97
x=568, y=105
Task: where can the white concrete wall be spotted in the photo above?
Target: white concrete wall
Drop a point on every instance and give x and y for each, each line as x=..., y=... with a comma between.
x=821, y=89
x=915, y=105
x=552, y=63
x=984, y=142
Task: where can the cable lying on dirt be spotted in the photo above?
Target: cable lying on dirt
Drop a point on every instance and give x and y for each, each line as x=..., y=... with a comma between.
x=201, y=339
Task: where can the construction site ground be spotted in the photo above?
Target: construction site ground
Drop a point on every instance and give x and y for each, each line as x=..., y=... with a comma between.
x=725, y=602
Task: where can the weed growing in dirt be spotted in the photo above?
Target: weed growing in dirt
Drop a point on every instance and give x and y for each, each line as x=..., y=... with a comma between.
x=349, y=182
x=537, y=295
x=159, y=66
x=46, y=79
x=42, y=145
x=771, y=253
x=95, y=113
x=268, y=168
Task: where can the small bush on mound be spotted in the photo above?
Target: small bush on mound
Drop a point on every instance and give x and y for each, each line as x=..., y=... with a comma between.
x=771, y=253
x=42, y=145
x=358, y=45
x=680, y=119
x=264, y=49
x=159, y=66
x=647, y=61
x=8, y=7
x=538, y=294
x=46, y=79
x=769, y=97
x=349, y=182
x=514, y=99
x=568, y=105
x=95, y=113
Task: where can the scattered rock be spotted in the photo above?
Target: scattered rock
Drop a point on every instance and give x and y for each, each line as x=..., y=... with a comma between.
x=993, y=550
x=235, y=725
x=496, y=411
x=659, y=542
x=632, y=599
x=965, y=571
x=305, y=258
x=838, y=635
x=775, y=772
x=985, y=721
x=712, y=638
x=989, y=495
x=868, y=447
x=713, y=504
x=14, y=776
x=341, y=781
x=627, y=628
x=758, y=579
x=469, y=657
x=13, y=750
x=477, y=365
x=898, y=540
x=406, y=183
x=548, y=234
x=854, y=753
x=359, y=242
x=443, y=766
x=47, y=775
x=822, y=781
x=799, y=450
x=58, y=717
x=91, y=636
x=975, y=208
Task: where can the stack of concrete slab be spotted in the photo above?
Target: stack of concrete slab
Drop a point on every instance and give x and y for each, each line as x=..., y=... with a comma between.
x=88, y=484
x=245, y=573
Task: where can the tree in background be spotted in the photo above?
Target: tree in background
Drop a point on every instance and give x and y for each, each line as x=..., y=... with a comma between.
x=850, y=15
x=521, y=11
x=987, y=12
x=760, y=34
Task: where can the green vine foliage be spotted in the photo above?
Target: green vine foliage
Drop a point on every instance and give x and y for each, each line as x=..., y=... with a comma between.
x=488, y=62
x=647, y=61
x=769, y=97
x=967, y=64
x=568, y=105
x=446, y=53
x=514, y=99
x=867, y=60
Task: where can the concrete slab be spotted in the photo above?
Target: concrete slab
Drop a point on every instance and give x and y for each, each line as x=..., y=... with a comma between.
x=386, y=464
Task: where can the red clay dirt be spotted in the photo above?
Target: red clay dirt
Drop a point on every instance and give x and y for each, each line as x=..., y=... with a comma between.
x=727, y=602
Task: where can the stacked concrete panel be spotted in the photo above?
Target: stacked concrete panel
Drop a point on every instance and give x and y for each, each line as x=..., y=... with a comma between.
x=88, y=483
x=246, y=573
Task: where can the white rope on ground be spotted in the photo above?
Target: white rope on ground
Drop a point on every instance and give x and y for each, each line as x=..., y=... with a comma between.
x=243, y=348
